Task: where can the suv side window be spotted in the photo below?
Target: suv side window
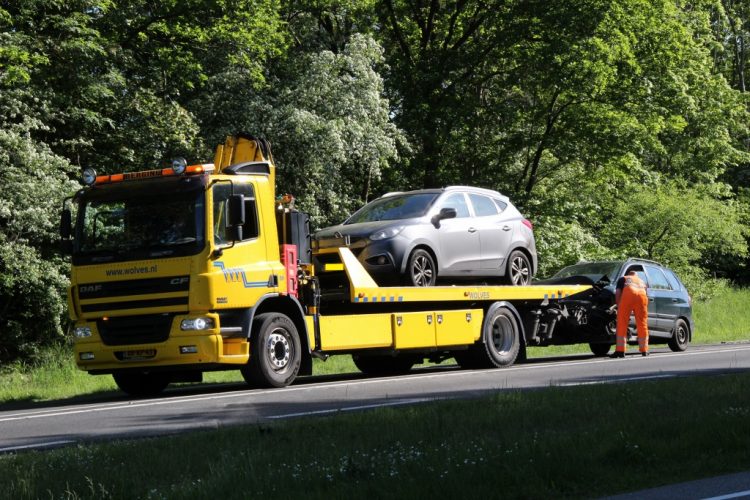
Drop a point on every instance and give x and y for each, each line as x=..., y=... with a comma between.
x=221, y=193
x=457, y=201
x=483, y=206
x=501, y=205
x=657, y=279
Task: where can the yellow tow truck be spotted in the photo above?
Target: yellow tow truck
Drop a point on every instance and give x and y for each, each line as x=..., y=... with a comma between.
x=194, y=268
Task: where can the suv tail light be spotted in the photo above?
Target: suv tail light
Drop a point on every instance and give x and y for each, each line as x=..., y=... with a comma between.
x=527, y=223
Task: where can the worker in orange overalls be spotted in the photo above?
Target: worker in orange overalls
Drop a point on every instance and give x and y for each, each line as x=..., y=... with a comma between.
x=630, y=296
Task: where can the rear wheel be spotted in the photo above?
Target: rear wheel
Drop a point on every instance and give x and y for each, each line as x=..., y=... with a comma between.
x=421, y=269
x=600, y=349
x=501, y=341
x=141, y=383
x=380, y=364
x=519, y=269
x=680, y=336
x=275, y=352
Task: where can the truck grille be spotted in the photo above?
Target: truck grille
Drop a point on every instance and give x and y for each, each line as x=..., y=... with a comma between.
x=129, y=330
x=115, y=290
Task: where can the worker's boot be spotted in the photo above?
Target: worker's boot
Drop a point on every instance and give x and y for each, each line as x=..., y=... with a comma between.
x=644, y=354
x=618, y=354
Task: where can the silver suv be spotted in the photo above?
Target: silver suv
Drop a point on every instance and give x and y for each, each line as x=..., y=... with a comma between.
x=455, y=232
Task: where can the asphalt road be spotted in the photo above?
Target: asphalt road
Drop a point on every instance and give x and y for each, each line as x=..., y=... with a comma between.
x=207, y=407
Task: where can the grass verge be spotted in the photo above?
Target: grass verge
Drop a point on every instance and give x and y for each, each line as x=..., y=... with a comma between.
x=558, y=442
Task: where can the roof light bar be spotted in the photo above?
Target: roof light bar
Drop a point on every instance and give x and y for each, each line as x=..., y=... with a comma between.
x=90, y=177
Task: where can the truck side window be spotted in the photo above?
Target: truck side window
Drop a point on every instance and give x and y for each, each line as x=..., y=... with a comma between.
x=221, y=193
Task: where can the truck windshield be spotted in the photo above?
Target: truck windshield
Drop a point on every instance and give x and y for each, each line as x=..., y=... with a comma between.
x=394, y=208
x=124, y=225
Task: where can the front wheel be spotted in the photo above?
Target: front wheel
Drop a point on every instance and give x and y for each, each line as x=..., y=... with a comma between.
x=519, y=269
x=680, y=336
x=275, y=352
x=141, y=384
x=421, y=269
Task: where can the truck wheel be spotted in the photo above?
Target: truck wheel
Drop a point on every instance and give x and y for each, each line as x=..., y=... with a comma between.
x=378, y=364
x=141, y=383
x=599, y=349
x=500, y=344
x=421, y=269
x=275, y=352
x=519, y=269
x=680, y=336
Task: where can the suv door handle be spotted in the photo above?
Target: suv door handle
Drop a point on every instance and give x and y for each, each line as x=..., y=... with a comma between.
x=472, y=230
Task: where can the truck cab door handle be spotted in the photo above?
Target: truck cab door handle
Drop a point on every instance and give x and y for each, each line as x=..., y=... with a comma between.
x=506, y=228
x=472, y=230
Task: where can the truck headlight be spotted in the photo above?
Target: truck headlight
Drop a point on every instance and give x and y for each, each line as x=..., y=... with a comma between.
x=82, y=332
x=197, y=324
x=386, y=233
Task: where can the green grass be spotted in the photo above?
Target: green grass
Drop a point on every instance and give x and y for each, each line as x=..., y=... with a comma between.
x=559, y=442
x=725, y=318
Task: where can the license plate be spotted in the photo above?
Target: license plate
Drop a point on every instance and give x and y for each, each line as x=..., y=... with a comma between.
x=138, y=354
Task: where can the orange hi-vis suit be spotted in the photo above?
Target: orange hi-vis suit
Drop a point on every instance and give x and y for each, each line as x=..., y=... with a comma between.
x=633, y=299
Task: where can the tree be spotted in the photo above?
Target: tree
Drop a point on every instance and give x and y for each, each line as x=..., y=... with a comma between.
x=33, y=279
x=329, y=122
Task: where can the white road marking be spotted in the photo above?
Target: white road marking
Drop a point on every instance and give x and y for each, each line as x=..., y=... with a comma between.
x=353, y=408
x=614, y=380
x=34, y=414
x=739, y=494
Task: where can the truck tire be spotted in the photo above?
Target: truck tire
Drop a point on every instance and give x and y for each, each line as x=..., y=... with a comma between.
x=599, y=349
x=275, y=352
x=421, y=269
x=141, y=384
x=379, y=364
x=519, y=269
x=680, y=336
x=500, y=343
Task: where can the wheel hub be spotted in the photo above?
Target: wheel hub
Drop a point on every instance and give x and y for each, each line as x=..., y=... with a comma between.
x=519, y=271
x=279, y=350
x=502, y=338
x=422, y=271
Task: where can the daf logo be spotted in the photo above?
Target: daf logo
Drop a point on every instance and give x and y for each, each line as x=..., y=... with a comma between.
x=89, y=288
x=179, y=281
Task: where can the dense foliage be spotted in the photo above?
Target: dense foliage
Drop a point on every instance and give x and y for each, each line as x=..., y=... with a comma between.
x=618, y=126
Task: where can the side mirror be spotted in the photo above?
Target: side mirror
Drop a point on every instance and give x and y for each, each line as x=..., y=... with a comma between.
x=236, y=216
x=447, y=213
x=66, y=224
x=66, y=231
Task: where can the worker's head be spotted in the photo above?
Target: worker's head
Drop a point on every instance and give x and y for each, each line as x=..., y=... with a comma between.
x=632, y=272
